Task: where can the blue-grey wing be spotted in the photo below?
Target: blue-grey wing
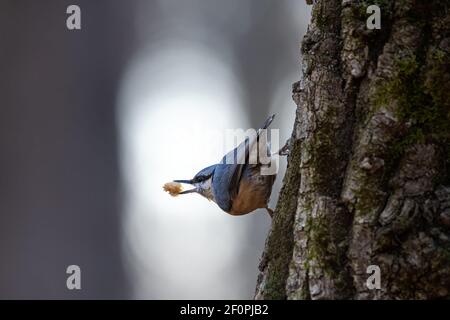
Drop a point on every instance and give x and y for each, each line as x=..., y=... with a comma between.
x=228, y=172
x=224, y=179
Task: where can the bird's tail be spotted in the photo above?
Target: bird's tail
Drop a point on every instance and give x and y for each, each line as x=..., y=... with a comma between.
x=268, y=121
x=264, y=127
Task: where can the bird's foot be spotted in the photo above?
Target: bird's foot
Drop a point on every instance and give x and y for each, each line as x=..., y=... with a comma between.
x=285, y=150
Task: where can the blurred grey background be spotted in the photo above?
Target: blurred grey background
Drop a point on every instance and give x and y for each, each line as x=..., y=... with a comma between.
x=94, y=121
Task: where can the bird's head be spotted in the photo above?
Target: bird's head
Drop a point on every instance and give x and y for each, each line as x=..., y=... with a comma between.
x=202, y=183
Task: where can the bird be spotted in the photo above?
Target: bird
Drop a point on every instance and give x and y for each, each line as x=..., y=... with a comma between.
x=239, y=187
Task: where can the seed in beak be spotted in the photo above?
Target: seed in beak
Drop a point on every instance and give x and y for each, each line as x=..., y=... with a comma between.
x=173, y=188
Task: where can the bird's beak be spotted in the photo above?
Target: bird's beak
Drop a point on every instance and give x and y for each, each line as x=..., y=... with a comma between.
x=183, y=181
x=188, y=191
x=187, y=182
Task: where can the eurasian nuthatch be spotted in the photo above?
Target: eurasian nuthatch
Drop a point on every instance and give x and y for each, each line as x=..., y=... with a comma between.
x=241, y=186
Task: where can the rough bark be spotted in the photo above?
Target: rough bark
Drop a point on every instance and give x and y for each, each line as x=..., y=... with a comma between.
x=368, y=179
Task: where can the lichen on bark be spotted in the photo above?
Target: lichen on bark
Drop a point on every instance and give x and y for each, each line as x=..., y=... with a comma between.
x=368, y=177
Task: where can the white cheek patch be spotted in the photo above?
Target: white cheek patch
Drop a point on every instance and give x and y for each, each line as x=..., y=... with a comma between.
x=206, y=188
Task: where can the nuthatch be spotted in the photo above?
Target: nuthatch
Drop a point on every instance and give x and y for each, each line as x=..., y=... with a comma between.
x=239, y=187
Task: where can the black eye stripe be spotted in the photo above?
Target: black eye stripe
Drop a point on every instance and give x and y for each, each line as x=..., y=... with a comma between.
x=200, y=178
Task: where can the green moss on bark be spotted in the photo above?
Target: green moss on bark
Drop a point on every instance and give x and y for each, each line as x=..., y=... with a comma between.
x=422, y=94
x=281, y=239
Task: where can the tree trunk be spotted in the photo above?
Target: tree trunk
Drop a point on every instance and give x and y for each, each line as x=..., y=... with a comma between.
x=368, y=178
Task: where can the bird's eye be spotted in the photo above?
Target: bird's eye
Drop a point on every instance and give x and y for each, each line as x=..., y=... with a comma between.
x=200, y=178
